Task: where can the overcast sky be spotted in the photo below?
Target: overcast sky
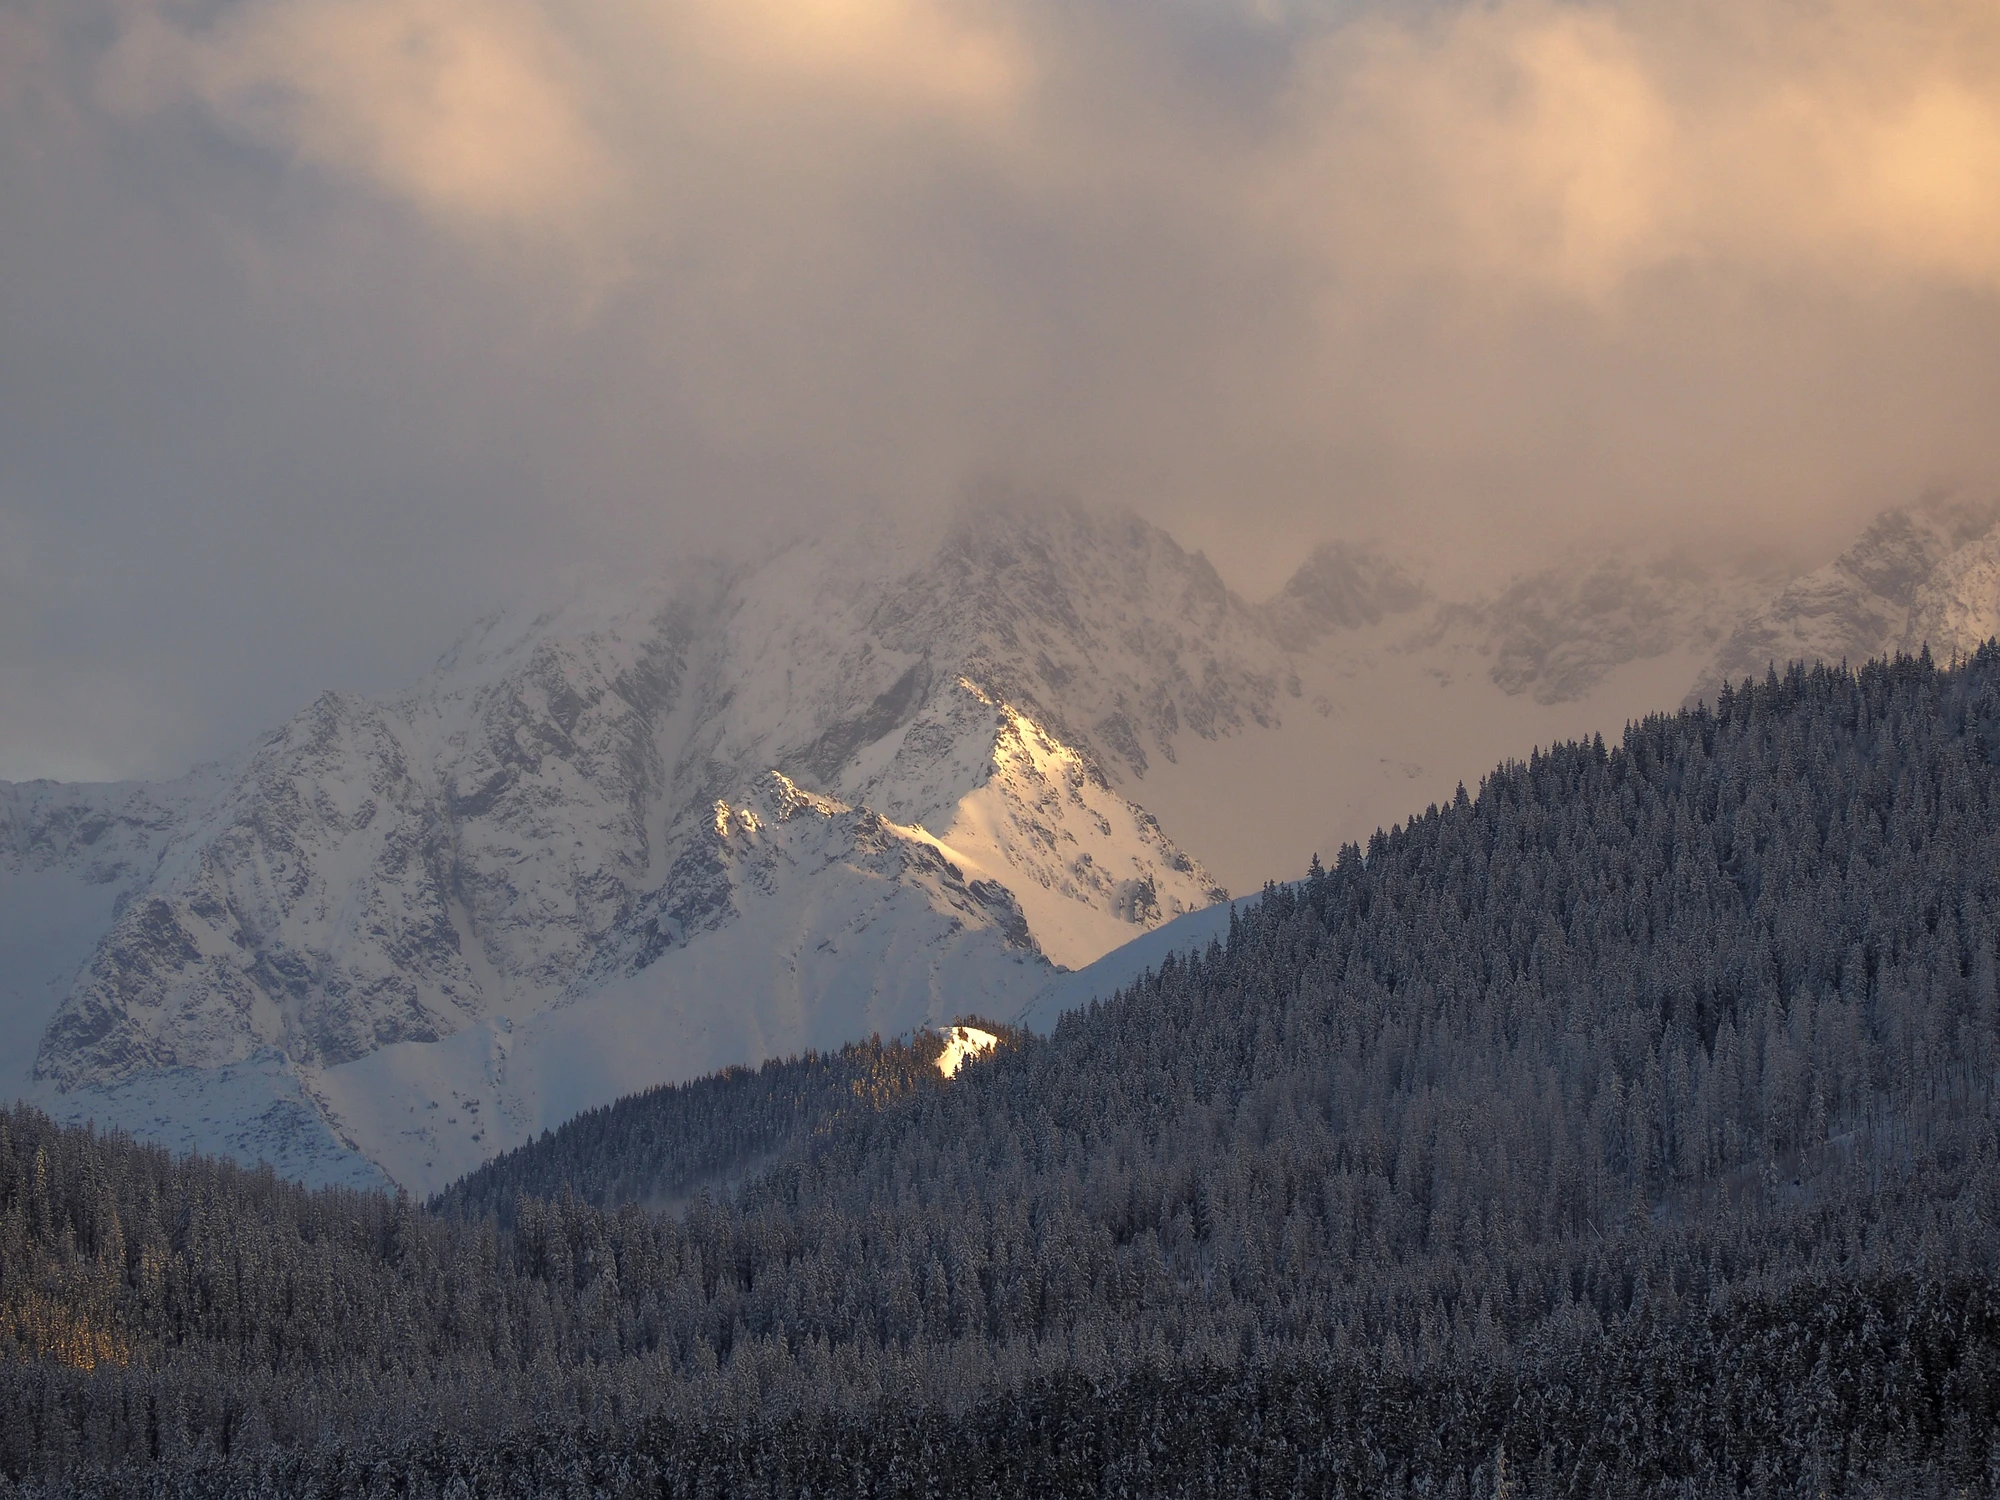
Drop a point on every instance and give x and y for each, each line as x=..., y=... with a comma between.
x=324, y=324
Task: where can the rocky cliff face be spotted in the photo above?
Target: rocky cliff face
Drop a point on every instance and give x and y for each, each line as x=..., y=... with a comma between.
x=307, y=910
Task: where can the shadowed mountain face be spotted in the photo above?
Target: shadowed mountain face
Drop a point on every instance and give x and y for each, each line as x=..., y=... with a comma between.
x=875, y=781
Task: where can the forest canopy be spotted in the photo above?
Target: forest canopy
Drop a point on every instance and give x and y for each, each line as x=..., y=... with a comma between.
x=1630, y=1121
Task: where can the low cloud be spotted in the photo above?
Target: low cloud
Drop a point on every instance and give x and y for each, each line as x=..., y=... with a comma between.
x=471, y=109
x=425, y=300
x=1565, y=146
x=1575, y=148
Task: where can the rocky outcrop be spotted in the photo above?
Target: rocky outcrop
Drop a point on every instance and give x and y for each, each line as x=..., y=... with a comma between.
x=105, y=833
x=308, y=913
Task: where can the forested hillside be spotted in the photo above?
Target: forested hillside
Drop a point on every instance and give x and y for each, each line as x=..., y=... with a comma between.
x=658, y=1149
x=1626, y=1128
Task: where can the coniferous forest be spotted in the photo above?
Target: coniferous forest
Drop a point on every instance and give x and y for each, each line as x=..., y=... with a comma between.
x=1627, y=1128
x=660, y=1148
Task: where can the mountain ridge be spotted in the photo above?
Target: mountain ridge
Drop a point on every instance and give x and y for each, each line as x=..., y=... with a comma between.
x=868, y=783
x=1630, y=1123
x=576, y=801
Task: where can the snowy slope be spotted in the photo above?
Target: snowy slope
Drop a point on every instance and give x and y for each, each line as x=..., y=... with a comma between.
x=875, y=780
x=631, y=840
x=819, y=923
x=1086, y=865
x=1126, y=964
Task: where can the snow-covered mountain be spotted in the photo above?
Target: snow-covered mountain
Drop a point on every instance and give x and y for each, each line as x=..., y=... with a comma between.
x=854, y=788
x=1926, y=575
x=70, y=857
x=877, y=780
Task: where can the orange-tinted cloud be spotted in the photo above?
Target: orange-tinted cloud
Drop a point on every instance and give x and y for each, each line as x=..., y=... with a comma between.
x=471, y=109
x=547, y=281
x=1572, y=147
x=1564, y=147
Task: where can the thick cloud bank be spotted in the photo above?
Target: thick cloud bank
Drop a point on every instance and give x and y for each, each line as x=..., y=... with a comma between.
x=323, y=321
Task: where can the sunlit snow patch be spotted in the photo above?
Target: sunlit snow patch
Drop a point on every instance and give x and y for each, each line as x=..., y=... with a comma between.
x=960, y=1043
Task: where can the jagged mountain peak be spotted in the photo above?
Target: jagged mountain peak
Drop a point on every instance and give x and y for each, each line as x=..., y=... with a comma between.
x=778, y=798
x=680, y=795
x=1096, y=622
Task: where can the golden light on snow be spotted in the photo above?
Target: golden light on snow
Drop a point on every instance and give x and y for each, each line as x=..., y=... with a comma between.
x=730, y=820
x=54, y=1328
x=962, y=1043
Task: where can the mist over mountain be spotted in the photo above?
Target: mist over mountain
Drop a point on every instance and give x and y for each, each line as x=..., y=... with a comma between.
x=1925, y=576
x=876, y=780
x=328, y=325
x=1048, y=747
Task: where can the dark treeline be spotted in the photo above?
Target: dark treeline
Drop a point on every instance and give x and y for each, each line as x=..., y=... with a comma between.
x=1629, y=1127
x=661, y=1147
x=1684, y=1401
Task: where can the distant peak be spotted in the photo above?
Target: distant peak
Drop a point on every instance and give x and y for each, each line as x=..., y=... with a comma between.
x=1341, y=587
